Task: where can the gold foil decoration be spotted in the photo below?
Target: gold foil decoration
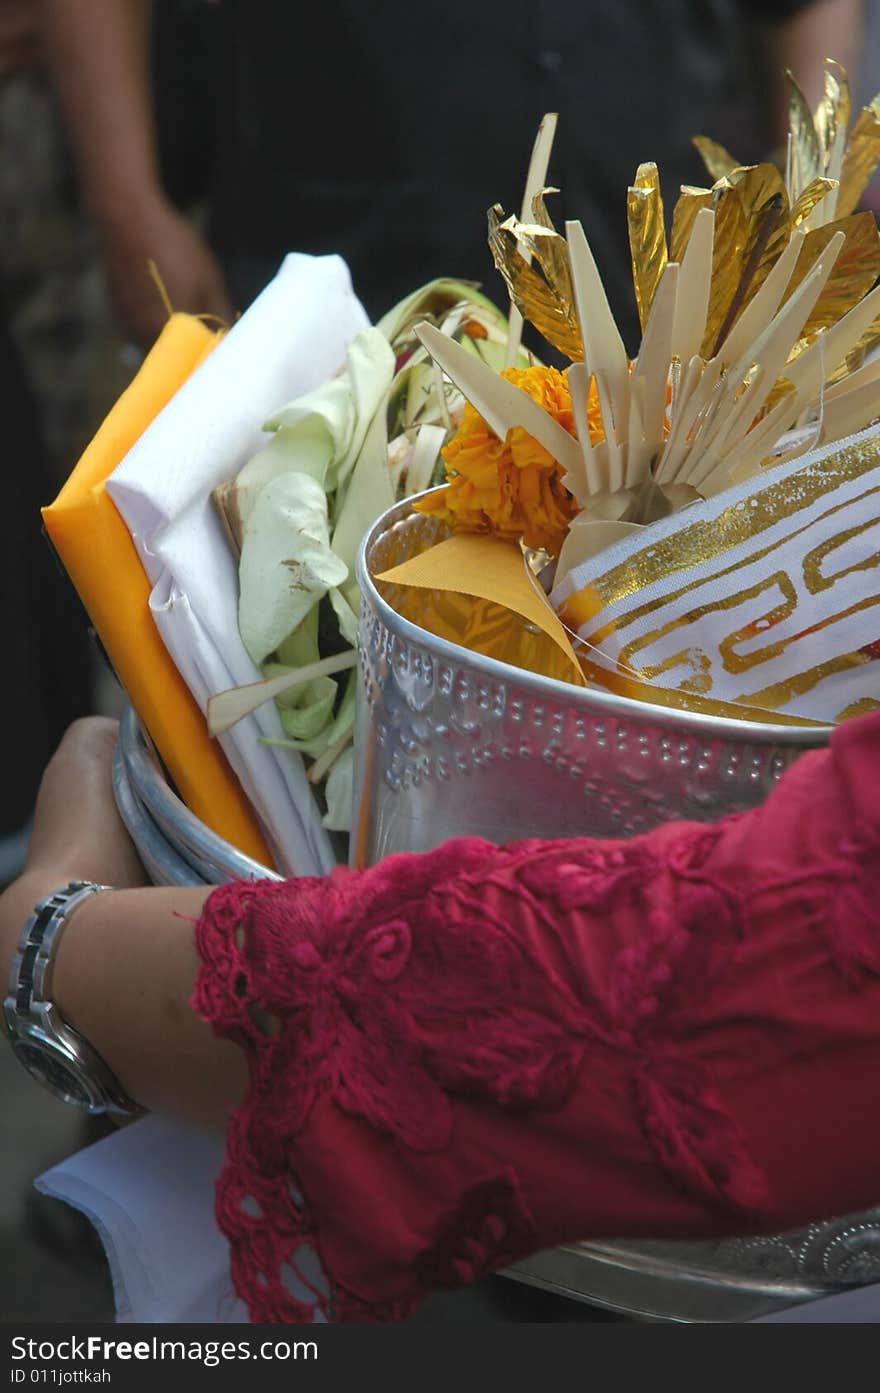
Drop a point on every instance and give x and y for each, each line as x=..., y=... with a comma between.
x=731, y=230
x=688, y=205
x=860, y=708
x=805, y=155
x=705, y=538
x=551, y=250
x=765, y=204
x=854, y=359
x=818, y=147
x=809, y=199
x=833, y=112
x=718, y=161
x=537, y=296
x=713, y=427
x=854, y=273
x=647, y=237
x=779, y=693
x=750, y=255
x=861, y=158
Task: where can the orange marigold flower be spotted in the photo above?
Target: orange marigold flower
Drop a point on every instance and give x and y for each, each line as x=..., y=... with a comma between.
x=512, y=488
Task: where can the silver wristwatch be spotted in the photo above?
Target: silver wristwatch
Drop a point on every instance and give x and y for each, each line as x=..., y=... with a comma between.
x=49, y=1048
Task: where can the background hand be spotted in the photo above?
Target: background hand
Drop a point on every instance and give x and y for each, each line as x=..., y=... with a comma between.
x=189, y=270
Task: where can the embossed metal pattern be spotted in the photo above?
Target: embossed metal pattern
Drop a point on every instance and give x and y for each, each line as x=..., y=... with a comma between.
x=448, y=742
x=532, y=756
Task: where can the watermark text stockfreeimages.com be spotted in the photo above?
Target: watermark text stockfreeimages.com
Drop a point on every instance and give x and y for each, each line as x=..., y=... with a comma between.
x=31, y=1357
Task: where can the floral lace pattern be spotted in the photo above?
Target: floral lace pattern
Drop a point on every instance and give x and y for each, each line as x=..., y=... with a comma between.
x=443, y=1049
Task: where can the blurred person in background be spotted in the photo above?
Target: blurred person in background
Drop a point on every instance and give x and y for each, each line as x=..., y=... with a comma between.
x=52, y=281
x=382, y=132
x=63, y=365
x=51, y=299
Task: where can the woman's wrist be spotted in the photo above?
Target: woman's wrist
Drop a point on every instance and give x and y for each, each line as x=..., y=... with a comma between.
x=122, y=978
x=16, y=904
x=121, y=207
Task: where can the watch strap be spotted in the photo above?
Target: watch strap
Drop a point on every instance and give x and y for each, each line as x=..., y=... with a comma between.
x=31, y=969
x=34, y=1021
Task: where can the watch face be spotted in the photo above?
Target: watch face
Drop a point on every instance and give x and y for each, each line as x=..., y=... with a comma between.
x=51, y=1071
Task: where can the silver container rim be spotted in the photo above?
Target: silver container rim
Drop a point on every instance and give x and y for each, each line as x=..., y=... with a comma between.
x=161, y=859
x=204, y=849
x=565, y=693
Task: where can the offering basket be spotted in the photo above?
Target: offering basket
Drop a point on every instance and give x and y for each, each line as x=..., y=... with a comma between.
x=451, y=742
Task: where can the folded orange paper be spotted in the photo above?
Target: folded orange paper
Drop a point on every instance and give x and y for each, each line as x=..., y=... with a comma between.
x=477, y=591
x=99, y=555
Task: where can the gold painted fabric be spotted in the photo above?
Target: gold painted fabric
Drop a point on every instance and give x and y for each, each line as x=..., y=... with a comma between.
x=768, y=594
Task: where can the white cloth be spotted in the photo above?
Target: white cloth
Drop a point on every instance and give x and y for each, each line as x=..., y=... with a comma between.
x=149, y=1191
x=292, y=338
x=766, y=594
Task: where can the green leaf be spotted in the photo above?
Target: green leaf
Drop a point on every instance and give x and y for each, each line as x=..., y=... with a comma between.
x=335, y=728
x=301, y=647
x=307, y=711
x=369, y=492
x=368, y=375
x=432, y=301
x=347, y=612
x=314, y=432
x=339, y=793
x=287, y=564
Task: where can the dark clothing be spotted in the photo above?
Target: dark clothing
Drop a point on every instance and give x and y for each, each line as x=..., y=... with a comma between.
x=47, y=679
x=385, y=132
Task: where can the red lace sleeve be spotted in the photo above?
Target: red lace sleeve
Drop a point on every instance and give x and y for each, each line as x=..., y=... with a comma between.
x=464, y=1056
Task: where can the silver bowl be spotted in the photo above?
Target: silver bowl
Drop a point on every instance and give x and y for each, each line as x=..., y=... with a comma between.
x=175, y=846
x=439, y=726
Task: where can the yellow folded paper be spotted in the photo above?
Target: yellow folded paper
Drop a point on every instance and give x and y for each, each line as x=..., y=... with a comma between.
x=510, y=621
x=100, y=558
x=476, y=591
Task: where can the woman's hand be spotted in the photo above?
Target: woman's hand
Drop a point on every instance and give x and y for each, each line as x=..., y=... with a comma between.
x=77, y=833
x=190, y=272
x=125, y=964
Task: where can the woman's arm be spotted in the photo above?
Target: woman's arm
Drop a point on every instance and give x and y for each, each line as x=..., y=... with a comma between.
x=126, y=963
x=98, y=53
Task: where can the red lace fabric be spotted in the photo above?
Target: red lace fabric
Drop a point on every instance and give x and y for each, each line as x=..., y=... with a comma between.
x=460, y=1057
